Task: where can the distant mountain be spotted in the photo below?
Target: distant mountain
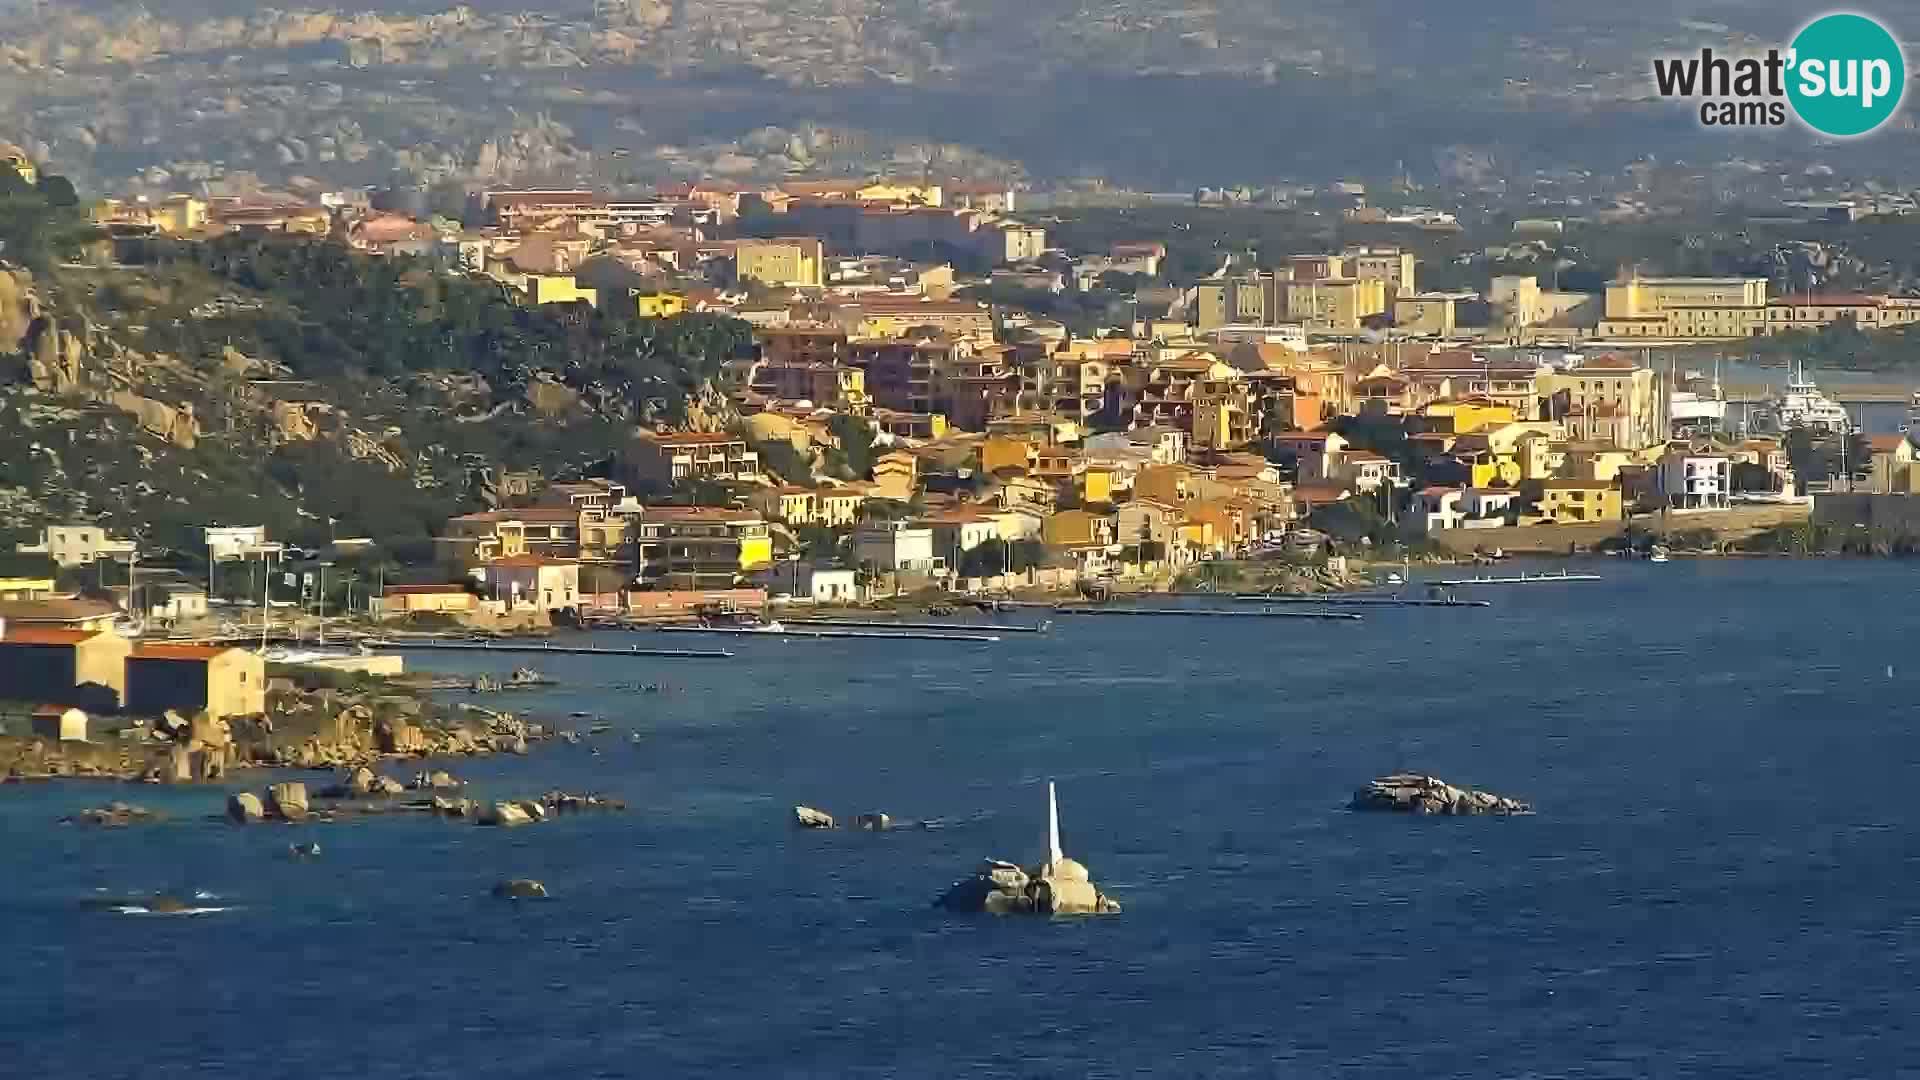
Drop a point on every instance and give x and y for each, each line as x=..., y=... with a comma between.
x=227, y=93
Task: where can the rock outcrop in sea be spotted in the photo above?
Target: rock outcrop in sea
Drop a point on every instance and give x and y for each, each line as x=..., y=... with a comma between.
x=1057, y=886
x=1414, y=793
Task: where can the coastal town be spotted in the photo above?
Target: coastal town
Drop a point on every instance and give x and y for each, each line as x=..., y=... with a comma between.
x=904, y=424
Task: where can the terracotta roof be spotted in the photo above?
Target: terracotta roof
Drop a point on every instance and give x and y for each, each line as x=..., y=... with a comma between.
x=167, y=650
x=1885, y=444
x=1577, y=485
x=53, y=611
x=714, y=514
x=1320, y=493
x=43, y=635
x=690, y=438
x=1609, y=362
x=531, y=560
x=523, y=513
x=423, y=590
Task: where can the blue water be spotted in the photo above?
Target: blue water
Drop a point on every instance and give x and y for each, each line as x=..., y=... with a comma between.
x=1719, y=881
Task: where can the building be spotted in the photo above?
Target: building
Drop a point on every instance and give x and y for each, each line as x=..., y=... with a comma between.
x=1428, y=314
x=212, y=679
x=540, y=582
x=400, y=601
x=700, y=547
x=1439, y=508
x=78, y=545
x=226, y=543
x=785, y=262
x=896, y=476
x=1565, y=502
x=829, y=585
x=1336, y=305
x=1814, y=310
x=1365, y=471
x=658, y=461
x=895, y=546
x=1316, y=453
x=14, y=158
x=61, y=724
x=26, y=586
x=1893, y=472
x=1685, y=307
x=540, y=289
x=479, y=538
x=1390, y=266
x=58, y=614
x=1607, y=399
x=1695, y=481
x=87, y=668
x=659, y=305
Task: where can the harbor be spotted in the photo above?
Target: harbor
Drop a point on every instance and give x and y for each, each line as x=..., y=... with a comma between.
x=1523, y=578
x=778, y=630
x=880, y=624
x=1359, y=600
x=528, y=648
x=1210, y=613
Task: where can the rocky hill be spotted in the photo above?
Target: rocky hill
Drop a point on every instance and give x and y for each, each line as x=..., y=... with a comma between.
x=288, y=382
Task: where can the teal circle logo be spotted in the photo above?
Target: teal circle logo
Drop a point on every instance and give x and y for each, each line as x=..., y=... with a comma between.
x=1846, y=75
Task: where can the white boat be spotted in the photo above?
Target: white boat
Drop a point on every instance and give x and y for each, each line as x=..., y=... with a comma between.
x=1658, y=554
x=1394, y=577
x=1801, y=405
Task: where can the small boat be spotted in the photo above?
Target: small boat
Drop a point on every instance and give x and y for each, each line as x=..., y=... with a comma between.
x=1395, y=577
x=1658, y=554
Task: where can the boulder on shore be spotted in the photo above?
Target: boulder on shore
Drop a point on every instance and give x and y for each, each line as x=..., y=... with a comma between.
x=437, y=780
x=1414, y=793
x=520, y=889
x=504, y=814
x=244, y=807
x=806, y=817
x=288, y=800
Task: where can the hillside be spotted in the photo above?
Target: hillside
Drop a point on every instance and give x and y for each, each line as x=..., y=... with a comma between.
x=627, y=91
x=287, y=382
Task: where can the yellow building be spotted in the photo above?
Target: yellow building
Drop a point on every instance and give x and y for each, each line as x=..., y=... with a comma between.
x=1096, y=485
x=1231, y=521
x=1698, y=308
x=1606, y=399
x=1336, y=304
x=839, y=508
x=1076, y=528
x=792, y=505
x=1564, y=502
x=17, y=158
x=1170, y=484
x=998, y=452
x=786, y=262
x=211, y=679
x=1460, y=416
x=659, y=305
x=557, y=289
x=1427, y=314
x=896, y=476
x=1391, y=266
x=19, y=587
x=701, y=547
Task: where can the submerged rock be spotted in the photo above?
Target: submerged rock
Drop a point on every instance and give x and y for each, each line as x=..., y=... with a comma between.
x=310, y=850
x=1057, y=886
x=114, y=814
x=1414, y=793
x=520, y=889
x=872, y=822
x=806, y=817
x=504, y=814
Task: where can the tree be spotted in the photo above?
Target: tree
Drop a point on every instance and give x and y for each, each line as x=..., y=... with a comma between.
x=781, y=459
x=58, y=191
x=856, y=454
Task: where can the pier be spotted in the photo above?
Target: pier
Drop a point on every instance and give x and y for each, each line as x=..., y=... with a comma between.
x=1211, y=613
x=1523, y=579
x=863, y=635
x=956, y=627
x=1358, y=601
x=565, y=650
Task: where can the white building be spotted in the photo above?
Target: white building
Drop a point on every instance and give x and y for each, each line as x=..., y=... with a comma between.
x=532, y=581
x=228, y=542
x=1440, y=507
x=1367, y=471
x=896, y=545
x=1488, y=502
x=1696, y=481
x=78, y=545
x=828, y=585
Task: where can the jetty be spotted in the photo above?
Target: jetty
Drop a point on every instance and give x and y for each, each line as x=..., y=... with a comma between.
x=1357, y=601
x=563, y=650
x=1211, y=613
x=1523, y=578
x=958, y=627
x=825, y=632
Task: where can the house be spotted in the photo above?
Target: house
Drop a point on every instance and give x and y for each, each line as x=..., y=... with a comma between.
x=1439, y=508
x=399, y=601
x=479, y=538
x=700, y=547
x=60, y=723
x=1564, y=502
x=828, y=585
x=212, y=679
x=896, y=476
x=1153, y=527
x=839, y=507
x=962, y=529
x=1691, y=480
x=660, y=460
x=1316, y=453
x=27, y=585
x=69, y=666
x=226, y=543
x=78, y=545
x=1893, y=472
x=1366, y=471
x=536, y=581
x=896, y=545
x=1485, y=504
x=174, y=601
x=1077, y=529
x=789, y=503
x=58, y=614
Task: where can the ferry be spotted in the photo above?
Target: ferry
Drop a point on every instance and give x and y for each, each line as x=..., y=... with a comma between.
x=1802, y=405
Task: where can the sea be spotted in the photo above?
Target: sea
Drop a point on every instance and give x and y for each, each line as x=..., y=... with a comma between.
x=1719, y=881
